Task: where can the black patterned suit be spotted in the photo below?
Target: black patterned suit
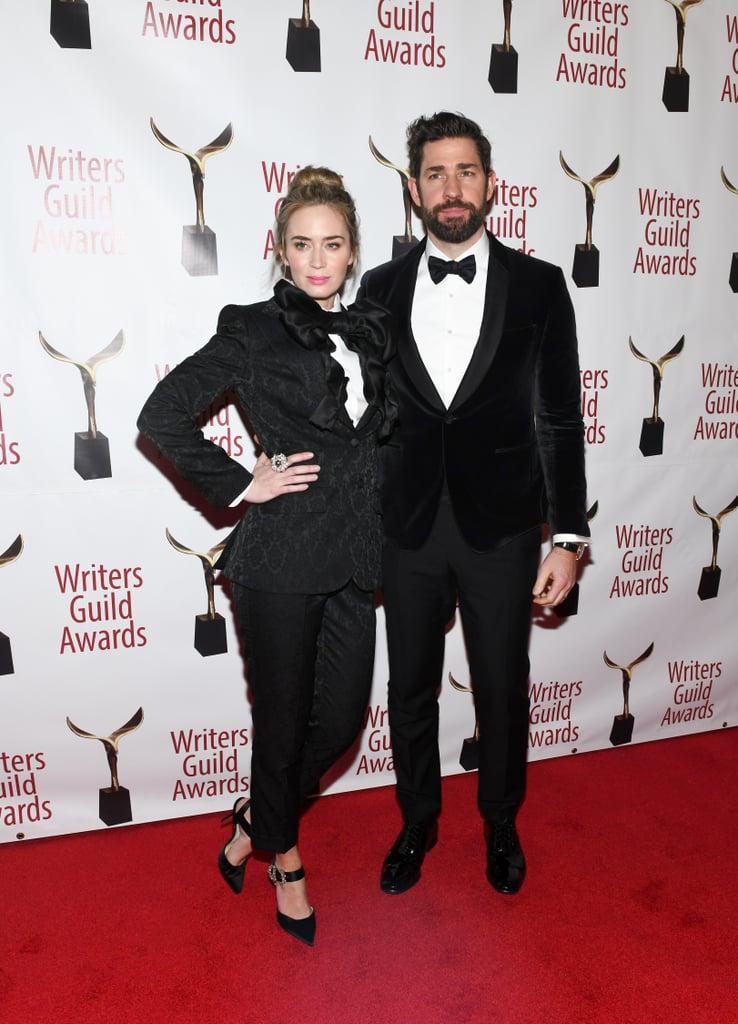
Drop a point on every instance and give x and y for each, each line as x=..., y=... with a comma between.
x=303, y=566
x=466, y=489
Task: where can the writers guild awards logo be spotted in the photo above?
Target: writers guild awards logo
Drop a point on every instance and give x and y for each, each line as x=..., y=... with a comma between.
x=6, y=654
x=199, y=243
x=652, y=429
x=676, y=80
x=115, y=800
x=570, y=604
x=400, y=243
x=469, y=757
x=91, y=448
x=710, y=578
x=210, y=628
x=733, y=279
x=503, y=61
x=586, y=270
x=303, y=42
x=622, y=725
x=70, y=24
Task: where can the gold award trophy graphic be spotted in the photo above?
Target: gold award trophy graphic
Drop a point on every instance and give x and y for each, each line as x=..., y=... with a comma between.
x=733, y=279
x=710, y=578
x=199, y=242
x=652, y=429
x=675, y=96
x=400, y=243
x=622, y=725
x=303, y=42
x=115, y=800
x=586, y=270
x=70, y=24
x=91, y=448
x=469, y=757
x=210, y=627
x=570, y=604
x=6, y=655
x=503, y=61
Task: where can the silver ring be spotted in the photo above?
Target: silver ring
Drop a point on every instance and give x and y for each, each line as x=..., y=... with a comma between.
x=279, y=462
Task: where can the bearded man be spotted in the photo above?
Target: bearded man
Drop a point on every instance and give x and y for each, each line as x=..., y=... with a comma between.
x=489, y=447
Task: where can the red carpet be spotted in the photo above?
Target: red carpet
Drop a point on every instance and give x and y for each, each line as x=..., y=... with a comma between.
x=628, y=914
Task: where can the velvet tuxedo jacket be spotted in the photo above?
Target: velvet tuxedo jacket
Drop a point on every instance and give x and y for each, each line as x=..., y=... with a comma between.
x=312, y=541
x=510, y=447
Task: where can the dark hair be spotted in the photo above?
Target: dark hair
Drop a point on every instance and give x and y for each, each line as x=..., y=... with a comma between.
x=445, y=125
x=315, y=186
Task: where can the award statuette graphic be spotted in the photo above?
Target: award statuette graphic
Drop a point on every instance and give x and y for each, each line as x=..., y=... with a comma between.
x=303, y=42
x=733, y=279
x=400, y=243
x=6, y=655
x=676, y=80
x=586, y=270
x=570, y=604
x=710, y=578
x=115, y=800
x=199, y=243
x=70, y=24
x=91, y=448
x=652, y=430
x=210, y=628
x=622, y=725
x=469, y=757
x=503, y=61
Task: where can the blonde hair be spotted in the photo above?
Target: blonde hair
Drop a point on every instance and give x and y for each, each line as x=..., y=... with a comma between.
x=315, y=186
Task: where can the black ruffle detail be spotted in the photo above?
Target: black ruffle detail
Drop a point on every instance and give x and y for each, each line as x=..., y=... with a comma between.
x=365, y=327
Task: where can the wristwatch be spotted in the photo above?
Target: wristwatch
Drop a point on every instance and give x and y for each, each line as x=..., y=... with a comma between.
x=568, y=545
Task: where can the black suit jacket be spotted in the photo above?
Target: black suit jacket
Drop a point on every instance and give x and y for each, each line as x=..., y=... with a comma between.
x=510, y=448
x=312, y=541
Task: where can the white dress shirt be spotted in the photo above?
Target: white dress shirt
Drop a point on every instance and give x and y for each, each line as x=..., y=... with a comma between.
x=447, y=317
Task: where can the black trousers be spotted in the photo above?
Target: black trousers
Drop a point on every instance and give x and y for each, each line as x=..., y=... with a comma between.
x=309, y=659
x=494, y=594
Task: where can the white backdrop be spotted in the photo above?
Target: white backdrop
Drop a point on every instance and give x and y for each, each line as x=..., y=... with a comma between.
x=96, y=607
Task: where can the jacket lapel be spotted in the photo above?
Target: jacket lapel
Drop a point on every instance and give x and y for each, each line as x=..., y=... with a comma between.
x=407, y=349
x=493, y=319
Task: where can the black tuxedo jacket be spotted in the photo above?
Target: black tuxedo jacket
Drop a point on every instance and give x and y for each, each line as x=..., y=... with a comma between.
x=312, y=541
x=510, y=448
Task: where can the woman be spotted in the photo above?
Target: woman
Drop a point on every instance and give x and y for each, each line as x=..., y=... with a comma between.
x=304, y=559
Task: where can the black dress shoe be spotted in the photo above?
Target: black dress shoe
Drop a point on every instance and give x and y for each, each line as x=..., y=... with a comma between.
x=505, y=859
x=401, y=868
x=234, y=873
x=302, y=928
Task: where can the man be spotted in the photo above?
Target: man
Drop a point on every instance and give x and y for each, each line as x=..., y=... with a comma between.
x=490, y=444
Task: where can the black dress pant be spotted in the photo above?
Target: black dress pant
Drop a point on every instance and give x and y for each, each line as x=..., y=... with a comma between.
x=309, y=659
x=494, y=595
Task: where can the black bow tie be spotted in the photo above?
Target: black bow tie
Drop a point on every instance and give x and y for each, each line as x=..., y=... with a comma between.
x=465, y=268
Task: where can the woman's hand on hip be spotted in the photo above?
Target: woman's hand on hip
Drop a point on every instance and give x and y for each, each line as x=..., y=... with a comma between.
x=270, y=483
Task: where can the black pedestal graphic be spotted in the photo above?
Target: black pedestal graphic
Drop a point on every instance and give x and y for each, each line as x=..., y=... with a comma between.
x=92, y=456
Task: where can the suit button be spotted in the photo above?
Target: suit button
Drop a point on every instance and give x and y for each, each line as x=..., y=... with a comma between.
x=355, y=442
x=449, y=418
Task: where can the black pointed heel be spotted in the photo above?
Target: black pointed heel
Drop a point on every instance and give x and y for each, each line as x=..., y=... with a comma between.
x=234, y=873
x=302, y=928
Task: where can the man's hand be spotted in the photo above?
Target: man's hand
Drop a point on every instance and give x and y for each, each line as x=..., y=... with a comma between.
x=556, y=576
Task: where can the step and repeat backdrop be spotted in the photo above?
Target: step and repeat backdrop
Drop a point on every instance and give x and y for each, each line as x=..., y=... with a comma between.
x=147, y=145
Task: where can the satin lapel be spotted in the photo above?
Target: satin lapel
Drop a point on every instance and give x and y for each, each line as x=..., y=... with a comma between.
x=493, y=319
x=407, y=349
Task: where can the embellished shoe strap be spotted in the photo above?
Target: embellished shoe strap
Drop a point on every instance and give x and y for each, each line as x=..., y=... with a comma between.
x=278, y=877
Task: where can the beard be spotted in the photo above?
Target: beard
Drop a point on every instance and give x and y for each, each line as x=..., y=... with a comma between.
x=457, y=230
